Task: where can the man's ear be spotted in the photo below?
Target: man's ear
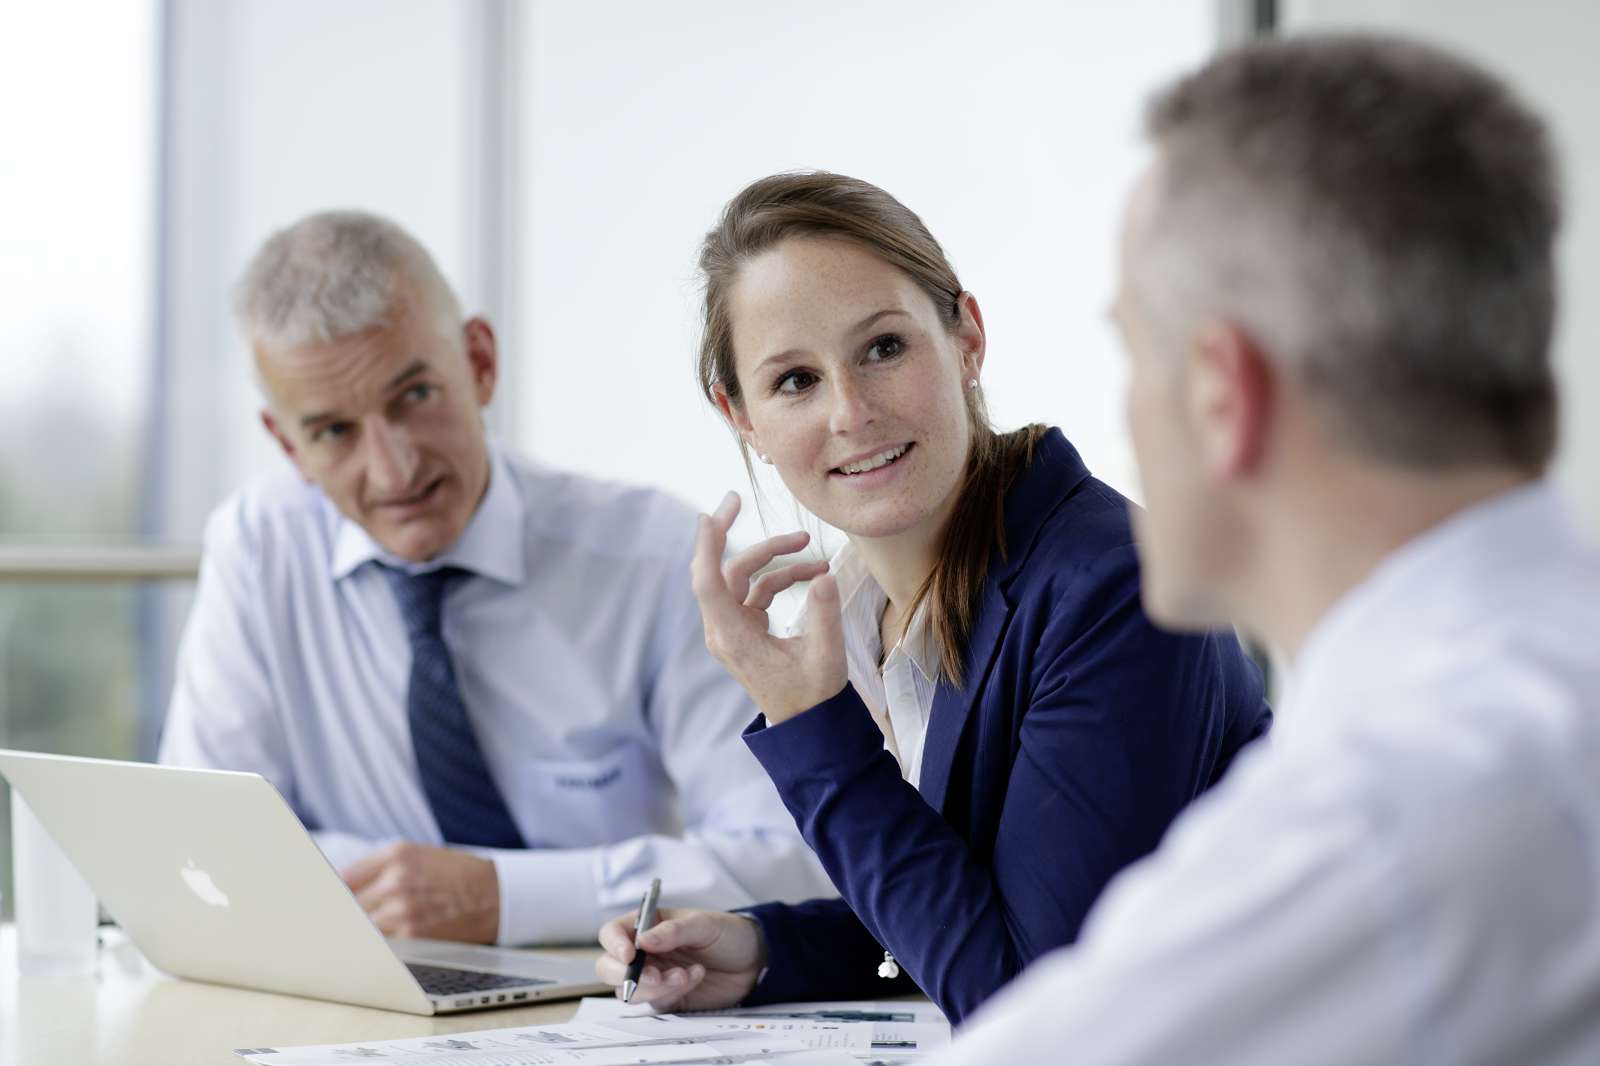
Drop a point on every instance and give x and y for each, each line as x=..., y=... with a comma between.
x=971, y=337
x=283, y=440
x=736, y=417
x=483, y=357
x=1230, y=398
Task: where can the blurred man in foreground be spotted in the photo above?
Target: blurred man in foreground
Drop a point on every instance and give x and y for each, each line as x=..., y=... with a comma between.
x=1337, y=294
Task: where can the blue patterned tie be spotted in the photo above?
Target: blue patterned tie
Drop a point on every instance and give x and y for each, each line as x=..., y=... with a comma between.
x=455, y=777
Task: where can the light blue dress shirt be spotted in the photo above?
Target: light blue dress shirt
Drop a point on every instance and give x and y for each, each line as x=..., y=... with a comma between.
x=611, y=732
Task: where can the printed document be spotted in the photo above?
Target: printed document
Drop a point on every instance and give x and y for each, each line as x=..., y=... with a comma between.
x=609, y=1033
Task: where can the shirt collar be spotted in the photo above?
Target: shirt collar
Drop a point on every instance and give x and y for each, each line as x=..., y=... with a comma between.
x=861, y=601
x=1433, y=582
x=491, y=545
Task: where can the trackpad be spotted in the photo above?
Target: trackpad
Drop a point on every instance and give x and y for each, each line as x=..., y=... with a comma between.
x=511, y=961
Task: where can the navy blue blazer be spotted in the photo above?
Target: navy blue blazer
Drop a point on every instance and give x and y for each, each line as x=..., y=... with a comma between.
x=1081, y=731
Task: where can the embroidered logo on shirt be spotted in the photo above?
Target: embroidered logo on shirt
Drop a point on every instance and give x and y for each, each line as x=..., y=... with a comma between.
x=594, y=781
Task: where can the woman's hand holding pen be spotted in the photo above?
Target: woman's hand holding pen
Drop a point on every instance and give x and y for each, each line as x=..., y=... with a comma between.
x=784, y=675
x=699, y=960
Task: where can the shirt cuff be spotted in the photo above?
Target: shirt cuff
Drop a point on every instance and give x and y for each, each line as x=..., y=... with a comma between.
x=549, y=896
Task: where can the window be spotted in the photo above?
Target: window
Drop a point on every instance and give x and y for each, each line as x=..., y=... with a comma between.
x=76, y=286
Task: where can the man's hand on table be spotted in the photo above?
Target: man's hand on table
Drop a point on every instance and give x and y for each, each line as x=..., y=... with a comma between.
x=414, y=890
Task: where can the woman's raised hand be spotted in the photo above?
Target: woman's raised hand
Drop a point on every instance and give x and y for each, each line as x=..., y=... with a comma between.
x=784, y=675
x=698, y=960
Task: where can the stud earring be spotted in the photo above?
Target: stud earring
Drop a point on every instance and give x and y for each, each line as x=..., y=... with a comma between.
x=764, y=457
x=972, y=383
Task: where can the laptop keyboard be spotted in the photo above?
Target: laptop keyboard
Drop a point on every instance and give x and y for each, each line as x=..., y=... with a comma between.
x=448, y=981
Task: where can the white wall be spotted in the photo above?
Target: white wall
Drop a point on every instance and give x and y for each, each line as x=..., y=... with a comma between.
x=1545, y=50
x=1011, y=128
x=74, y=260
x=280, y=108
x=564, y=170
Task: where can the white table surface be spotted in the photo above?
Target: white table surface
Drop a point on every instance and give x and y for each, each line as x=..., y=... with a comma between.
x=128, y=1014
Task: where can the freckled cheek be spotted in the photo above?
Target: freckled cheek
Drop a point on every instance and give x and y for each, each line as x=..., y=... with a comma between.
x=944, y=424
x=794, y=441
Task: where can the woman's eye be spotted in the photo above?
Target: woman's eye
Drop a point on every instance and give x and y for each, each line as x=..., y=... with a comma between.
x=330, y=433
x=887, y=346
x=795, y=381
x=418, y=393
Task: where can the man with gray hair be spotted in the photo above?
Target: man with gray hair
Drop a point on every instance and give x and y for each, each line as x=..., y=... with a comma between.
x=1337, y=295
x=481, y=683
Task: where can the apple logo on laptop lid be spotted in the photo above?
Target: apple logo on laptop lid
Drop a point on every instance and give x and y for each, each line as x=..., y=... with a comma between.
x=201, y=885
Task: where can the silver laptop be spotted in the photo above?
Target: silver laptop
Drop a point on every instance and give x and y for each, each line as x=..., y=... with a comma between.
x=214, y=878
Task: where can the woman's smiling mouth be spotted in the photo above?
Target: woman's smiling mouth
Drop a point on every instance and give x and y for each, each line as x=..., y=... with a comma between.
x=868, y=464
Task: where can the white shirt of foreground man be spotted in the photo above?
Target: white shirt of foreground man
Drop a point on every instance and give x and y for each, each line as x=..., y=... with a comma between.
x=1408, y=874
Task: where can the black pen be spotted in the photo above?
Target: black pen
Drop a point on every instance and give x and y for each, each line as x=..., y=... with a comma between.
x=647, y=918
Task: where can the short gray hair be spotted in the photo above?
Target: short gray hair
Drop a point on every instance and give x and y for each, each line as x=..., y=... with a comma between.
x=332, y=275
x=1381, y=216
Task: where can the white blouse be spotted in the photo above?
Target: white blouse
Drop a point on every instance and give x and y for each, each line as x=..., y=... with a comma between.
x=900, y=695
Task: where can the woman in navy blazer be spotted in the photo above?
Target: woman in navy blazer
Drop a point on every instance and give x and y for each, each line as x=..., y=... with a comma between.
x=1062, y=733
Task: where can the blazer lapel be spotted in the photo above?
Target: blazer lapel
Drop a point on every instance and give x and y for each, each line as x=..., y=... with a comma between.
x=1056, y=471
x=952, y=706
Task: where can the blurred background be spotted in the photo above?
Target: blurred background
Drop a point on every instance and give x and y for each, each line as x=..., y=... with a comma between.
x=562, y=158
